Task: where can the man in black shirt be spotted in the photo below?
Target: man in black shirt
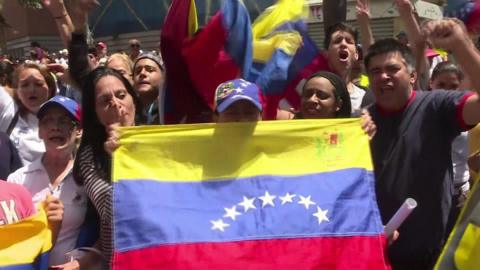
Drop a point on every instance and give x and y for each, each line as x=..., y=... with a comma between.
x=412, y=148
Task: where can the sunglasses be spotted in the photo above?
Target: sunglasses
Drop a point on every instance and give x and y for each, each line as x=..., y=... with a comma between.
x=135, y=45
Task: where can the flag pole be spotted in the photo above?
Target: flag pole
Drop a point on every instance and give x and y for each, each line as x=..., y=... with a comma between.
x=334, y=11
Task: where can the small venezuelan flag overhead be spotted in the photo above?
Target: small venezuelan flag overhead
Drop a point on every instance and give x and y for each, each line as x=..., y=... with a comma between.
x=220, y=51
x=282, y=54
x=268, y=195
x=182, y=100
x=26, y=244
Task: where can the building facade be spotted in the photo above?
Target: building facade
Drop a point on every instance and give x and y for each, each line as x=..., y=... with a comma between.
x=117, y=21
x=384, y=17
x=23, y=26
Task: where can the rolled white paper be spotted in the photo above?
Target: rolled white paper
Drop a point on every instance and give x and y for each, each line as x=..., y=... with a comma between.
x=402, y=213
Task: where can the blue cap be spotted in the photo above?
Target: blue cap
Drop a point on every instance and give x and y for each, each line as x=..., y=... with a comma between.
x=238, y=89
x=70, y=105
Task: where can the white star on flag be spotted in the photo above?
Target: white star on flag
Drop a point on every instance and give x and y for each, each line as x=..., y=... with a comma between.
x=238, y=90
x=247, y=203
x=267, y=199
x=219, y=225
x=321, y=215
x=231, y=212
x=287, y=198
x=244, y=83
x=306, y=201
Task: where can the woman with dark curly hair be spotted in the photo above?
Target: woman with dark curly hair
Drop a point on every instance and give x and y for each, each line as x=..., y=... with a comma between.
x=108, y=101
x=324, y=95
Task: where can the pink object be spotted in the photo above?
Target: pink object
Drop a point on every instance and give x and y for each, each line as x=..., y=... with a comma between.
x=431, y=53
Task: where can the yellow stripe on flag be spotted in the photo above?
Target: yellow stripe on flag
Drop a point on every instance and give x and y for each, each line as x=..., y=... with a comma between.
x=192, y=19
x=267, y=38
x=206, y=152
x=288, y=42
x=278, y=14
x=22, y=242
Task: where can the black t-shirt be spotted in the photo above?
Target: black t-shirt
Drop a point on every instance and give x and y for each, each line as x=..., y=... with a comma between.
x=412, y=158
x=368, y=98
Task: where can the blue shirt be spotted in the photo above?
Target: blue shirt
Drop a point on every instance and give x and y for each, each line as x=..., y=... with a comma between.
x=412, y=158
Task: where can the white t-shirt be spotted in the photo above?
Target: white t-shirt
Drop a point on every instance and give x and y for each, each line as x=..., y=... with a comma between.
x=62, y=61
x=435, y=61
x=35, y=178
x=25, y=138
x=460, y=152
x=356, y=97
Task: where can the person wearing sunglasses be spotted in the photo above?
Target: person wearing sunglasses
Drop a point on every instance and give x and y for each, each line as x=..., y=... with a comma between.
x=135, y=49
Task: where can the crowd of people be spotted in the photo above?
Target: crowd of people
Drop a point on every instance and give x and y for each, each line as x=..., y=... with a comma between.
x=59, y=116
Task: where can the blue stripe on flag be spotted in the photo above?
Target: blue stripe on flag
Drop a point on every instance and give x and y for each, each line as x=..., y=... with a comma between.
x=343, y=204
x=236, y=22
x=41, y=263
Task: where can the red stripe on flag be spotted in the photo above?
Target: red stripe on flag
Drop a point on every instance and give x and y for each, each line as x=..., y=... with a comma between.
x=183, y=97
x=208, y=64
x=359, y=252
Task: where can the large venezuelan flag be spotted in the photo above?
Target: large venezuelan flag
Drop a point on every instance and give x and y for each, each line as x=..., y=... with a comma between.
x=221, y=51
x=273, y=195
x=26, y=244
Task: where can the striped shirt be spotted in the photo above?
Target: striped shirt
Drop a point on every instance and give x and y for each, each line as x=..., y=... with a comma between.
x=99, y=190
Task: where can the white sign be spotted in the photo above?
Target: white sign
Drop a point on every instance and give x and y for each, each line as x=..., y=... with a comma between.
x=428, y=10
